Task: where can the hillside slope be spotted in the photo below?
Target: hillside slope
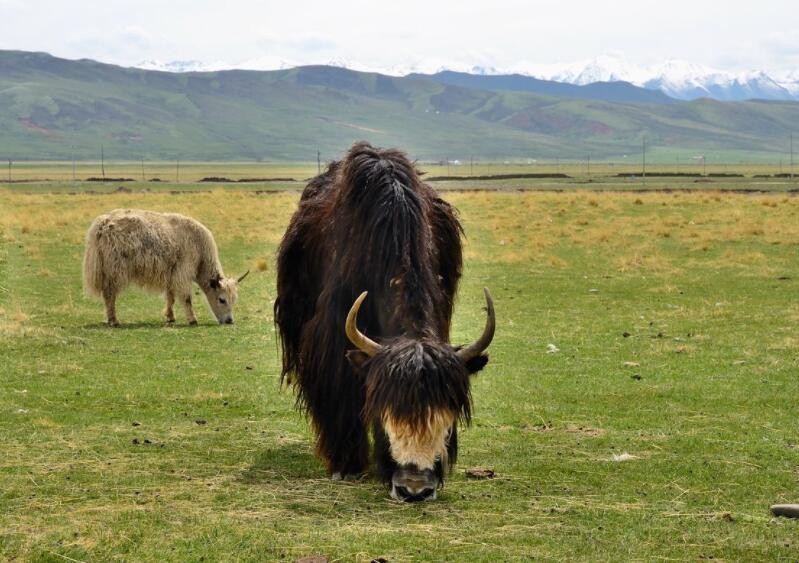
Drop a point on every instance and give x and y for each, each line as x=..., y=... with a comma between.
x=622, y=92
x=52, y=108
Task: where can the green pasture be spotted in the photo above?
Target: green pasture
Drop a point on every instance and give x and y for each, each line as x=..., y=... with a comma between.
x=640, y=402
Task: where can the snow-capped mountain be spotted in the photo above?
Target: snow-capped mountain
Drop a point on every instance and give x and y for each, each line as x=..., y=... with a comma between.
x=678, y=79
x=181, y=66
x=266, y=62
x=790, y=81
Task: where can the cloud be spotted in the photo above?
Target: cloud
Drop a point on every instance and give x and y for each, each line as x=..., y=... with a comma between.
x=296, y=44
x=783, y=42
x=122, y=45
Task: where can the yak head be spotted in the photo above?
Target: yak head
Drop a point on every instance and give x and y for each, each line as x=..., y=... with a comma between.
x=221, y=293
x=417, y=389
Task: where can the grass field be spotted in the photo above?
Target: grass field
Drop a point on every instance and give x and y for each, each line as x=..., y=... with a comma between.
x=663, y=426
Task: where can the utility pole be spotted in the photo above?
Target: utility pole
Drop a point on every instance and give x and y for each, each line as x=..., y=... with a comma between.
x=471, y=165
x=9, y=169
x=73, y=162
x=643, y=157
x=142, y=169
x=102, y=161
x=177, y=171
x=589, y=166
x=318, y=162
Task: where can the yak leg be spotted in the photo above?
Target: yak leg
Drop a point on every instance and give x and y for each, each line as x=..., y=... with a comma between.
x=110, y=298
x=192, y=320
x=342, y=439
x=170, y=301
x=345, y=451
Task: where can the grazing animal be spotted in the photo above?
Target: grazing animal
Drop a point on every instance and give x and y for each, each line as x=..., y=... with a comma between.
x=160, y=251
x=369, y=224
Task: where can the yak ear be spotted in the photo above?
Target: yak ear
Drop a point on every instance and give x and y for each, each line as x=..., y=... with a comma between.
x=476, y=364
x=357, y=360
x=214, y=282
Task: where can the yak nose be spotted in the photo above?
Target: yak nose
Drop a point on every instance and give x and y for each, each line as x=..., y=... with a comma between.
x=229, y=321
x=409, y=494
x=414, y=485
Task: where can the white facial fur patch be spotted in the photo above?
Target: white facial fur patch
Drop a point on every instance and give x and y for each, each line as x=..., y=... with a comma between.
x=227, y=290
x=420, y=446
x=230, y=287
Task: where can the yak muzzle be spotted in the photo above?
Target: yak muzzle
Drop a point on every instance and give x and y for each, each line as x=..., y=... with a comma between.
x=409, y=484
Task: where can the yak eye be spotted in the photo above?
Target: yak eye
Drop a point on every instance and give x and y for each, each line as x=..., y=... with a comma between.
x=222, y=300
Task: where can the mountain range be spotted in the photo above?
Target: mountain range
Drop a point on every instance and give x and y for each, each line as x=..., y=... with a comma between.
x=677, y=79
x=53, y=108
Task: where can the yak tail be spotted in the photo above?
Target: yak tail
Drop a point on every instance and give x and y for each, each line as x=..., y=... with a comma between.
x=93, y=277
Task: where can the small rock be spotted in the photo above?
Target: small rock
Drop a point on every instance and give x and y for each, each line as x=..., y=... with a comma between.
x=786, y=510
x=480, y=473
x=312, y=559
x=134, y=423
x=135, y=441
x=631, y=364
x=625, y=334
x=624, y=457
x=552, y=349
x=201, y=421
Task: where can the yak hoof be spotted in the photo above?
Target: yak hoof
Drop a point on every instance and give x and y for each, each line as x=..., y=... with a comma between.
x=193, y=323
x=169, y=321
x=113, y=323
x=338, y=476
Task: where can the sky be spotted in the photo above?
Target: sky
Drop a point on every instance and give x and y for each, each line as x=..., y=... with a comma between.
x=729, y=35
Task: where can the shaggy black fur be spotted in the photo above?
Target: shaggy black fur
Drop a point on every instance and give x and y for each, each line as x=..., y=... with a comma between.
x=368, y=223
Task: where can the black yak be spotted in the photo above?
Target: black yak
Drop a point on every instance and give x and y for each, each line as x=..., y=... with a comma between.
x=369, y=225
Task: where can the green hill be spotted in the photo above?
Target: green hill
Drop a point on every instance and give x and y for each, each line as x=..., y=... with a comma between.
x=623, y=92
x=52, y=108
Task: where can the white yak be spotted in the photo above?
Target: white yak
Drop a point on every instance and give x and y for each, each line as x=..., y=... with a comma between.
x=160, y=251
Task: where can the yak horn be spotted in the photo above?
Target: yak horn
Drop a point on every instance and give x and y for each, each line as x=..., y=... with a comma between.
x=473, y=350
x=360, y=340
x=242, y=276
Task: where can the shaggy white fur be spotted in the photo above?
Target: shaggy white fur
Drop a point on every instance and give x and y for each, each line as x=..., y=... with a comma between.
x=159, y=251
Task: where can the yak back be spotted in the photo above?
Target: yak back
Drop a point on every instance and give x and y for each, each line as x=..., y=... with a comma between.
x=368, y=223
